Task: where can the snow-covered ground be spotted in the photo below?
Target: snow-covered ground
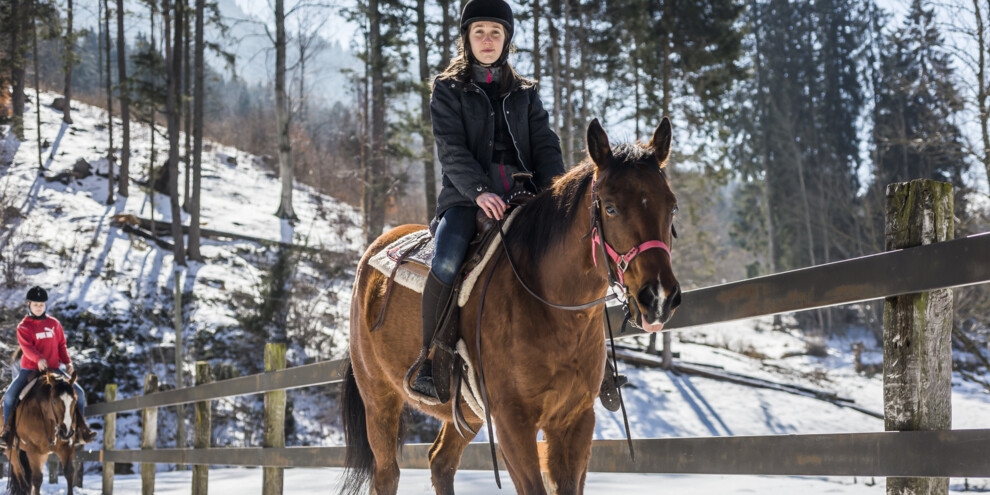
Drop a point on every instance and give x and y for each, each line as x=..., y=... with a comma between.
x=64, y=240
x=417, y=481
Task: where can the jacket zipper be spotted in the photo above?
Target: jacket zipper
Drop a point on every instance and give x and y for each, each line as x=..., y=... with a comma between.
x=507, y=126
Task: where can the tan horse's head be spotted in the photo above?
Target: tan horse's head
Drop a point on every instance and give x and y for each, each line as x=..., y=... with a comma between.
x=61, y=398
x=637, y=208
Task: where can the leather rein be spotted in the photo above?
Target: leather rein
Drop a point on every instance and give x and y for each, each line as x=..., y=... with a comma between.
x=615, y=278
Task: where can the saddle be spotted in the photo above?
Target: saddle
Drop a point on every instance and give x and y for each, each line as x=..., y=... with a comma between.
x=415, y=255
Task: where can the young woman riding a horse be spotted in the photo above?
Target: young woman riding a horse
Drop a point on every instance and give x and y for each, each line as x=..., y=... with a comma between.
x=489, y=123
x=42, y=343
x=610, y=217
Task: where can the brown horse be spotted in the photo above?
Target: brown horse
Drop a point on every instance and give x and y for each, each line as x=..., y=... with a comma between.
x=44, y=422
x=543, y=365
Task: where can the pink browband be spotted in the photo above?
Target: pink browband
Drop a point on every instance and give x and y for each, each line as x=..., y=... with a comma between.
x=622, y=261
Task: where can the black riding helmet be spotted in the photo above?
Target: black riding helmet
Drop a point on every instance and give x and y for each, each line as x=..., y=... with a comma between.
x=37, y=294
x=492, y=11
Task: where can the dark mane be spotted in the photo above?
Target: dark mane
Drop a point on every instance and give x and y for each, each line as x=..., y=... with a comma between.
x=59, y=383
x=531, y=235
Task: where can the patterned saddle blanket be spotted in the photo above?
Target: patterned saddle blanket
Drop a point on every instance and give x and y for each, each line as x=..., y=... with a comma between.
x=415, y=250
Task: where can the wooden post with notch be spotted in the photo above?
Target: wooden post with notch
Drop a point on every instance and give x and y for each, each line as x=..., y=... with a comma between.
x=201, y=435
x=109, y=439
x=917, y=328
x=274, y=424
x=149, y=436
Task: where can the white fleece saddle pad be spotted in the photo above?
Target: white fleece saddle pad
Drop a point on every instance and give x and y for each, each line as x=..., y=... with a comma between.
x=413, y=276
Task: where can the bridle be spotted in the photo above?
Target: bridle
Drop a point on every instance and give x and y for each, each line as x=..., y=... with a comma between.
x=53, y=437
x=621, y=260
x=616, y=275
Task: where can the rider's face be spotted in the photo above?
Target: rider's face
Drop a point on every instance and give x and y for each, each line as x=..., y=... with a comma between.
x=36, y=308
x=487, y=39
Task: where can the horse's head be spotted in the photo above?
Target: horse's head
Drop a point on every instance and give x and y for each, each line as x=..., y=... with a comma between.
x=636, y=209
x=61, y=403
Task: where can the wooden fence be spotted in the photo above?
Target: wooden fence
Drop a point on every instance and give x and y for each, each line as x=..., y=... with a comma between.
x=908, y=278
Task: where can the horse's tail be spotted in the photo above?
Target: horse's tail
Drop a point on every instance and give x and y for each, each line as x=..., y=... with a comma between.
x=359, y=459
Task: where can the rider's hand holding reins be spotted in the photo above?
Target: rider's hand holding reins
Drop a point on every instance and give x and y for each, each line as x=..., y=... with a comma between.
x=492, y=205
x=69, y=368
x=42, y=365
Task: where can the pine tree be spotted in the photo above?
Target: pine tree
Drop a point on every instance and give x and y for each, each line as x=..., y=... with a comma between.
x=916, y=101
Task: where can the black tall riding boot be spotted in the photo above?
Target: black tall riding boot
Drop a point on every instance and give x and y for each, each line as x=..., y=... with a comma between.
x=436, y=298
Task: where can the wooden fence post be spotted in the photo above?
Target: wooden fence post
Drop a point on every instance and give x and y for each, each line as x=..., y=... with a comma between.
x=180, y=410
x=149, y=436
x=109, y=439
x=917, y=328
x=201, y=436
x=53, y=465
x=274, y=424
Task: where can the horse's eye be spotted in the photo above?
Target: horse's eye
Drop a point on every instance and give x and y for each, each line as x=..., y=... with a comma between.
x=610, y=209
x=674, y=211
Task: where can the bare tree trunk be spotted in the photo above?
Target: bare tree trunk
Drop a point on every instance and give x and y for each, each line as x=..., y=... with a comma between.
x=173, y=60
x=125, y=102
x=17, y=69
x=448, y=40
x=567, y=103
x=426, y=125
x=285, y=209
x=37, y=80
x=555, y=63
x=536, y=40
x=152, y=155
x=69, y=62
x=197, y=153
x=377, y=182
x=186, y=99
x=667, y=65
x=110, y=155
x=982, y=46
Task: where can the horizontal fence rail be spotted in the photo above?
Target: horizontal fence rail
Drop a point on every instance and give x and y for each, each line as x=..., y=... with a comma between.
x=307, y=375
x=955, y=453
x=935, y=266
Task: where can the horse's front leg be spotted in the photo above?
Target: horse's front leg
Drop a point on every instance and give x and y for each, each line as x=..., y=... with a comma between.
x=65, y=454
x=517, y=441
x=569, y=450
x=37, y=461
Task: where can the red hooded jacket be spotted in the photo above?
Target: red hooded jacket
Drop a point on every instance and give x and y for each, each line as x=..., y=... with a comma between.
x=42, y=339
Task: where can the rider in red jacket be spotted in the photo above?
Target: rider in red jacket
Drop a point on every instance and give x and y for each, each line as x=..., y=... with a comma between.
x=42, y=343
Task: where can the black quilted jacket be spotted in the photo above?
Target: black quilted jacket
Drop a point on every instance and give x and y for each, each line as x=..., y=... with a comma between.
x=464, y=128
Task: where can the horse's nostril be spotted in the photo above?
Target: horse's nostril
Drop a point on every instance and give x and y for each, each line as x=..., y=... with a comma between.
x=647, y=298
x=675, y=297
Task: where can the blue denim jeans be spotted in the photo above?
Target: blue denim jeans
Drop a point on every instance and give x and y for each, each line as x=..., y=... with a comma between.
x=454, y=233
x=10, y=397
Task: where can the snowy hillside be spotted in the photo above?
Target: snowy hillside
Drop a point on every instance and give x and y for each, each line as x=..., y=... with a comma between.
x=113, y=292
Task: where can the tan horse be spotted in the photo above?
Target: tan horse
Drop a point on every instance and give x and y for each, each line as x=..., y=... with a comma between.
x=543, y=366
x=44, y=422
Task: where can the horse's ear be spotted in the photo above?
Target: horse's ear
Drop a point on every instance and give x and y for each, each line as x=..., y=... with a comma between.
x=72, y=378
x=598, y=148
x=660, y=143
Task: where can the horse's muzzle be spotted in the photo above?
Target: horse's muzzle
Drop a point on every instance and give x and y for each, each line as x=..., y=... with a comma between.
x=657, y=305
